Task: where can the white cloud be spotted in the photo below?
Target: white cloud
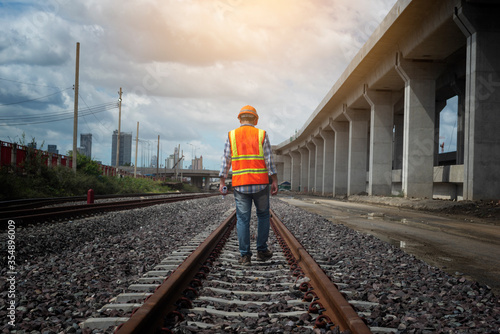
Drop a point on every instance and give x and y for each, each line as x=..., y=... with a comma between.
x=186, y=67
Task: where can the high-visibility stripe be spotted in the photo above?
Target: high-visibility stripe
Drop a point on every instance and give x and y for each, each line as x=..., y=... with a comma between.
x=261, y=142
x=248, y=157
x=234, y=149
x=251, y=170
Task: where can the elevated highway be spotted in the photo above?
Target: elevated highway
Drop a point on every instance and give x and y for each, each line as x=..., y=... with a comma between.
x=377, y=129
x=198, y=176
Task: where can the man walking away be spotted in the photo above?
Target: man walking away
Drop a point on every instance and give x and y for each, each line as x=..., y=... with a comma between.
x=248, y=152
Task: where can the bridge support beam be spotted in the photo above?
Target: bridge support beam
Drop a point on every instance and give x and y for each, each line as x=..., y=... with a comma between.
x=358, y=150
x=419, y=124
x=197, y=181
x=328, y=143
x=295, y=158
x=381, y=126
x=304, y=169
x=398, y=140
x=311, y=177
x=340, y=157
x=286, y=170
x=482, y=102
x=318, y=167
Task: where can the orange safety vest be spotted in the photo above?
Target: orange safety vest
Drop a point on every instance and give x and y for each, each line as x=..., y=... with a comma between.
x=247, y=156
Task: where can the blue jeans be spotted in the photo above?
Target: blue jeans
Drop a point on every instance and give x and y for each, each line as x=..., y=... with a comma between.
x=243, y=212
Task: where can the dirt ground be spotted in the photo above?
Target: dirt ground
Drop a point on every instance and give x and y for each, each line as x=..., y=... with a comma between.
x=462, y=238
x=484, y=210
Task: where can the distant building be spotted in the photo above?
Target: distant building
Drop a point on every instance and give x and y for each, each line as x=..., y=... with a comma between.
x=125, y=148
x=52, y=149
x=86, y=145
x=153, y=161
x=173, y=160
x=197, y=163
x=170, y=161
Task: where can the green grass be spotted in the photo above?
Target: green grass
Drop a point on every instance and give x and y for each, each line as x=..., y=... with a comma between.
x=62, y=181
x=35, y=180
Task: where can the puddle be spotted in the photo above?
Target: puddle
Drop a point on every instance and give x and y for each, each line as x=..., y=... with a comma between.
x=409, y=244
x=373, y=215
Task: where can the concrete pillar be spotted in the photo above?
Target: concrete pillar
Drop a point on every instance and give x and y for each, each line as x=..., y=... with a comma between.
x=461, y=129
x=381, y=126
x=318, y=167
x=459, y=88
x=398, y=141
x=358, y=149
x=311, y=178
x=479, y=22
x=419, y=116
x=295, y=170
x=197, y=181
x=304, y=169
x=440, y=105
x=328, y=143
x=286, y=174
x=340, y=157
x=280, y=168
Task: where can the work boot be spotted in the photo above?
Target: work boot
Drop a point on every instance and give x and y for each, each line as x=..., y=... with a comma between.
x=245, y=260
x=264, y=255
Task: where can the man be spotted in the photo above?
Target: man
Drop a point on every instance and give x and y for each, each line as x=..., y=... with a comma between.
x=248, y=152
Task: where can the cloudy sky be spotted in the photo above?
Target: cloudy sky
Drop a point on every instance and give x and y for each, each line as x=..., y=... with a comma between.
x=186, y=67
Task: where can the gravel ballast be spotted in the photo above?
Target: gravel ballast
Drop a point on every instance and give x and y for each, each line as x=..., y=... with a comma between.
x=414, y=297
x=68, y=271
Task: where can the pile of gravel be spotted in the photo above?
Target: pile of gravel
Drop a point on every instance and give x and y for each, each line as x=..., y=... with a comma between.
x=67, y=271
x=414, y=297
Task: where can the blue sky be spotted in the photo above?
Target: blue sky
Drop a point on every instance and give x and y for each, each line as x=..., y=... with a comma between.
x=448, y=126
x=186, y=67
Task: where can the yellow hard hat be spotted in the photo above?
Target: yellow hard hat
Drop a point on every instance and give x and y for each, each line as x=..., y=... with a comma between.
x=248, y=110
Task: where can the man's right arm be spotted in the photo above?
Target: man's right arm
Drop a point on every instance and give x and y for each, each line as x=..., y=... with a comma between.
x=225, y=165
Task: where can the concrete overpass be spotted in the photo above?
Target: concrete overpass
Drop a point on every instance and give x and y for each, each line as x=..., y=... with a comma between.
x=377, y=129
x=197, y=175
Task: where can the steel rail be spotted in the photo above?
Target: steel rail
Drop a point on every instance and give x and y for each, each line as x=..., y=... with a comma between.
x=31, y=203
x=43, y=214
x=149, y=317
x=339, y=311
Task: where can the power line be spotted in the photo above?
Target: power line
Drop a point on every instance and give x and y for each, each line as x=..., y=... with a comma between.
x=103, y=134
x=59, y=116
x=80, y=96
x=27, y=83
x=54, y=114
x=38, y=98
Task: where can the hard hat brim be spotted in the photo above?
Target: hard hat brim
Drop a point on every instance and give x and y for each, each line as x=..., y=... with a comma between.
x=248, y=110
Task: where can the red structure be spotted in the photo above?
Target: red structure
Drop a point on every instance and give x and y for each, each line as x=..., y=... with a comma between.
x=14, y=155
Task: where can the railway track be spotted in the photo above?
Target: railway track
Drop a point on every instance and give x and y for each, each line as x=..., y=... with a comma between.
x=202, y=288
x=32, y=203
x=24, y=216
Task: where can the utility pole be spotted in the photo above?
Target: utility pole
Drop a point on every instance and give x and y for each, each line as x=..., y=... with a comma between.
x=136, y=144
x=178, y=160
x=75, y=117
x=119, y=131
x=158, y=157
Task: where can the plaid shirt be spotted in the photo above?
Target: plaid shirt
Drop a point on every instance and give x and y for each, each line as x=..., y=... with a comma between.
x=268, y=158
